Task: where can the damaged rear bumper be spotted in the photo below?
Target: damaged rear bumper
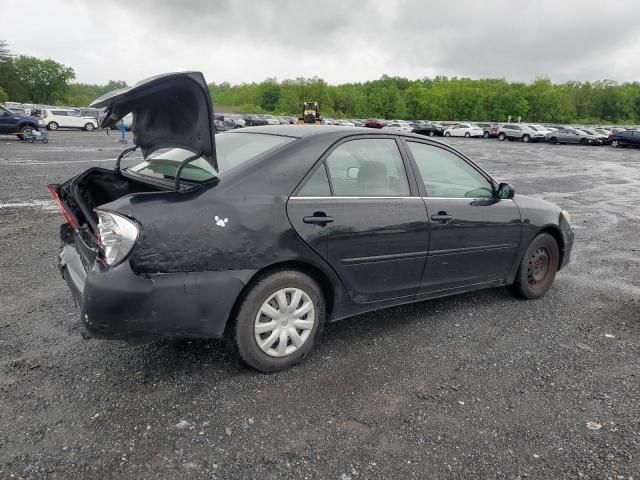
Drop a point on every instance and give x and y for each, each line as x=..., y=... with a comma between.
x=116, y=303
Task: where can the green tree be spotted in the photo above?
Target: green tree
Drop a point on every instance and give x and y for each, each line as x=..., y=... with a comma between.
x=3, y=95
x=44, y=81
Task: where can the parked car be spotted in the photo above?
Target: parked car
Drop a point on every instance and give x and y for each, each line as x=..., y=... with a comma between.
x=357, y=123
x=374, y=123
x=540, y=128
x=464, y=130
x=489, y=129
x=399, y=127
x=254, y=121
x=223, y=123
x=238, y=120
x=345, y=123
x=430, y=129
x=18, y=124
x=625, y=138
x=286, y=228
x=55, y=118
x=572, y=135
x=326, y=121
x=271, y=120
x=90, y=113
x=601, y=136
x=519, y=131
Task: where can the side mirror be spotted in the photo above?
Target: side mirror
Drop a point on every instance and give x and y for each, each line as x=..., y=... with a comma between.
x=506, y=191
x=352, y=172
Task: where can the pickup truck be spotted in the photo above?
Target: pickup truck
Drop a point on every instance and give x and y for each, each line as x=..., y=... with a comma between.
x=16, y=123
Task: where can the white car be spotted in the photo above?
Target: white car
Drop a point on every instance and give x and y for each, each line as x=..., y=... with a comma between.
x=345, y=123
x=55, y=118
x=540, y=128
x=464, y=130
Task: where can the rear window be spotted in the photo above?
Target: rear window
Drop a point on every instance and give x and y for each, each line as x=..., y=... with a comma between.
x=232, y=150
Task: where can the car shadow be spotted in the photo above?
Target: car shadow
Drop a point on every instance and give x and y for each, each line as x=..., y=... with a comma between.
x=199, y=356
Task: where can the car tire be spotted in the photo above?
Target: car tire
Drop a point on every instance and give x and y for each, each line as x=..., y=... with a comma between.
x=24, y=131
x=502, y=137
x=615, y=143
x=526, y=138
x=553, y=140
x=447, y=134
x=432, y=133
x=584, y=141
x=52, y=126
x=485, y=135
x=267, y=292
x=537, y=269
x=467, y=135
x=89, y=127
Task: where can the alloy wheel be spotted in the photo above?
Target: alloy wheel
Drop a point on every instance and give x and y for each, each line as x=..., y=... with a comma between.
x=284, y=322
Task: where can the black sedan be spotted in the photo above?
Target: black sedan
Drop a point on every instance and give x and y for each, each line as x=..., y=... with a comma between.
x=430, y=129
x=264, y=234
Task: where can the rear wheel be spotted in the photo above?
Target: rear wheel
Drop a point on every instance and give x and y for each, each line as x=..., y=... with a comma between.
x=89, y=126
x=526, y=138
x=447, y=134
x=553, y=140
x=25, y=132
x=584, y=141
x=485, y=135
x=538, y=268
x=467, y=135
x=279, y=320
x=502, y=137
x=615, y=143
x=52, y=126
x=431, y=133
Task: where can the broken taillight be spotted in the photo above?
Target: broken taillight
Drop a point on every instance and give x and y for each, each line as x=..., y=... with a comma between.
x=63, y=210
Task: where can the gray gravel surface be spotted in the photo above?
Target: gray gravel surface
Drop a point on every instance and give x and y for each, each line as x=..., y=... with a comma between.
x=475, y=386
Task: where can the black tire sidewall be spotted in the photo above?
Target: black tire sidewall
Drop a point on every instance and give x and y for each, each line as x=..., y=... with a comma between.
x=243, y=328
x=521, y=285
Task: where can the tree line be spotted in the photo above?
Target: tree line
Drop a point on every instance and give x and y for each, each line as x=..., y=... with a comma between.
x=44, y=81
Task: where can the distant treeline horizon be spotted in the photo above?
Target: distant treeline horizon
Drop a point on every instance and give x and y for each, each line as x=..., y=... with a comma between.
x=27, y=79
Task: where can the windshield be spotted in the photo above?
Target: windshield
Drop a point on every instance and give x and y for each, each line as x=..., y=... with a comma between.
x=231, y=150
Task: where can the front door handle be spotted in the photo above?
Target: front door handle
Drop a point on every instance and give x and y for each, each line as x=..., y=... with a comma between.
x=318, y=218
x=441, y=217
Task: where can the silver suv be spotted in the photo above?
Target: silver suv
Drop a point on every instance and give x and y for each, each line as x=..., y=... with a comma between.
x=519, y=131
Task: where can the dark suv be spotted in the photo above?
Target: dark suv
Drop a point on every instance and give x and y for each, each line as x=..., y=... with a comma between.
x=625, y=138
x=16, y=123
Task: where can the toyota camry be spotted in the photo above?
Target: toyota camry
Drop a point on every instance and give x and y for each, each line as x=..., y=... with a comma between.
x=264, y=234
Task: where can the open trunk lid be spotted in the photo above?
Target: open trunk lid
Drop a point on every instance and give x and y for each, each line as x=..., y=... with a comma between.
x=172, y=110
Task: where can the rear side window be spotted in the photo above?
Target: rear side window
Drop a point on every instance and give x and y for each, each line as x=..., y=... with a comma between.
x=368, y=167
x=317, y=185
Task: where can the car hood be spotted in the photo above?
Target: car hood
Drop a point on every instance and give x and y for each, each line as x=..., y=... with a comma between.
x=172, y=110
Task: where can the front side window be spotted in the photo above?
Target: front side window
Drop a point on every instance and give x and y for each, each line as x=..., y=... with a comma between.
x=448, y=176
x=368, y=167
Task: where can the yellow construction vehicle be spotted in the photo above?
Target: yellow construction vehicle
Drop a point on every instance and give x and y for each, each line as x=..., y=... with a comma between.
x=310, y=114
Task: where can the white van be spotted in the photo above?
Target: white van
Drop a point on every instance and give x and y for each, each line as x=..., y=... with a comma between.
x=55, y=118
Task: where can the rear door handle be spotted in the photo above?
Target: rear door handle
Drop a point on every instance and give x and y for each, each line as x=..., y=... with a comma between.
x=321, y=220
x=442, y=218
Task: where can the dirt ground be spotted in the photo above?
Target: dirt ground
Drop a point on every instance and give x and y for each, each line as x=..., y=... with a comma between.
x=475, y=386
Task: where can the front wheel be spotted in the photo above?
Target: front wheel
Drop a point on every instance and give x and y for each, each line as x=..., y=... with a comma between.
x=279, y=320
x=526, y=138
x=447, y=134
x=537, y=269
x=89, y=126
x=467, y=135
x=52, y=126
x=25, y=132
x=615, y=143
x=432, y=133
x=584, y=141
x=485, y=135
x=553, y=140
x=502, y=137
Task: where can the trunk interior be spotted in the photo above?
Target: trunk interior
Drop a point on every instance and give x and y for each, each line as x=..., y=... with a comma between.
x=96, y=187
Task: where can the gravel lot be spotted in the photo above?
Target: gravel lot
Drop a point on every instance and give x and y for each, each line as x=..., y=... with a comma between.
x=474, y=386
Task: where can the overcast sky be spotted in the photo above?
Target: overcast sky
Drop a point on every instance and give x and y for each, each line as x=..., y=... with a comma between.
x=339, y=41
